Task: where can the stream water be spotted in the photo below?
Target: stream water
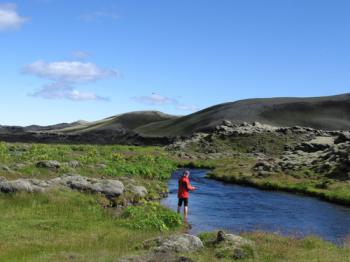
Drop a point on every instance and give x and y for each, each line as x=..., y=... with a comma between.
x=217, y=205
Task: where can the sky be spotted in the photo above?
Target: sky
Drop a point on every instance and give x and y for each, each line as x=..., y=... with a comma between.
x=64, y=60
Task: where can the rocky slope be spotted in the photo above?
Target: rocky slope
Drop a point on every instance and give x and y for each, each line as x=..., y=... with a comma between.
x=297, y=159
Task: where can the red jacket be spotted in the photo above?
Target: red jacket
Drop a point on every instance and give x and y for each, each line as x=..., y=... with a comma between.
x=184, y=187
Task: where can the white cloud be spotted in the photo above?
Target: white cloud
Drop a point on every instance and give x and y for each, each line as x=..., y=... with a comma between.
x=98, y=16
x=159, y=100
x=68, y=71
x=64, y=74
x=62, y=91
x=9, y=18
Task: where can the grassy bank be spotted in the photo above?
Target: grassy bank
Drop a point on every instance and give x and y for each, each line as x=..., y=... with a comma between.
x=275, y=248
x=238, y=170
x=72, y=226
x=63, y=225
x=92, y=160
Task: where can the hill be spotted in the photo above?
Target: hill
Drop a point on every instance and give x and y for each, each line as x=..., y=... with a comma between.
x=329, y=113
x=127, y=121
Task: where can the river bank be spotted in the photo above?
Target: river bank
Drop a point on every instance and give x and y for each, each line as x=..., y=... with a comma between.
x=70, y=224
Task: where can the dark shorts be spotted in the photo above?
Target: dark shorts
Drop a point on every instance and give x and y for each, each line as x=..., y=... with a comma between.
x=185, y=200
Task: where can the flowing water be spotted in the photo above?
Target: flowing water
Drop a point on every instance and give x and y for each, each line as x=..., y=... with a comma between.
x=217, y=205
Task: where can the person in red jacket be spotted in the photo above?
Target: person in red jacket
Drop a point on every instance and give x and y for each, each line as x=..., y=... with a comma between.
x=183, y=193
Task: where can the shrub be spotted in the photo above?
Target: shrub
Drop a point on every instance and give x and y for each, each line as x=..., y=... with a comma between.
x=151, y=216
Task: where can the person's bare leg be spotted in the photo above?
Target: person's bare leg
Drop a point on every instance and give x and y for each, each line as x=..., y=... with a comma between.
x=185, y=213
x=178, y=209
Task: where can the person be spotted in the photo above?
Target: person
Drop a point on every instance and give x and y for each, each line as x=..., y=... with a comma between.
x=183, y=192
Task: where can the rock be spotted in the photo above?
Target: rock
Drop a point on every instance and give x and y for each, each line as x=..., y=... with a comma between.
x=310, y=147
x=179, y=244
x=74, y=164
x=5, y=168
x=151, y=257
x=343, y=137
x=101, y=166
x=170, y=249
x=18, y=185
x=139, y=191
x=227, y=123
x=110, y=188
x=263, y=166
x=18, y=166
x=233, y=246
x=52, y=164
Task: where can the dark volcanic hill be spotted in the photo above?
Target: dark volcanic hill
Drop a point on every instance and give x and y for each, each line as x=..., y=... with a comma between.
x=147, y=127
x=128, y=121
x=329, y=113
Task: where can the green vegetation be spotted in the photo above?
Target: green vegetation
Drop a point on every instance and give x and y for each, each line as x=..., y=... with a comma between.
x=71, y=226
x=239, y=171
x=64, y=225
x=235, y=157
x=94, y=160
x=151, y=216
x=275, y=248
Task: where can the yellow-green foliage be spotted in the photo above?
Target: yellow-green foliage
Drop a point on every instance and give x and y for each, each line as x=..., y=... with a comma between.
x=95, y=160
x=151, y=216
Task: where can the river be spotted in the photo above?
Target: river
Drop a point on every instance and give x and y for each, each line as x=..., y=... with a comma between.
x=217, y=205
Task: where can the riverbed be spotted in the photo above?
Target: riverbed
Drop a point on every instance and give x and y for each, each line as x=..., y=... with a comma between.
x=217, y=205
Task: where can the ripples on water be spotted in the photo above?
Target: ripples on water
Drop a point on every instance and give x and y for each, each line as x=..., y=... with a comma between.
x=216, y=205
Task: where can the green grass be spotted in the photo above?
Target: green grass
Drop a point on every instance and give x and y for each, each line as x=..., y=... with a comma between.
x=95, y=160
x=239, y=171
x=71, y=226
x=276, y=248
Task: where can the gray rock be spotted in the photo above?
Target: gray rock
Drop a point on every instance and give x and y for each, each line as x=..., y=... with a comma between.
x=5, y=168
x=263, y=166
x=179, y=243
x=18, y=185
x=139, y=191
x=227, y=123
x=233, y=246
x=111, y=188
x=102, y=166
x=74, y=164
x=53, y=164
x=343, y=137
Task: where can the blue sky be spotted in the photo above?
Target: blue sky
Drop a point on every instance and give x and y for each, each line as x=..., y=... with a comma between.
x=62, y=60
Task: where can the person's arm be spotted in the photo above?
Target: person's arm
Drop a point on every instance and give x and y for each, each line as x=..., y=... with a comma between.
x=189, y=187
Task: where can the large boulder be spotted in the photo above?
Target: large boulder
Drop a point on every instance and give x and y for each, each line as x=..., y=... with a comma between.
x=233, y=246
x=139, y=191
x=170, y=249
x=179, y=244
x=110, y=188
x=19, y=185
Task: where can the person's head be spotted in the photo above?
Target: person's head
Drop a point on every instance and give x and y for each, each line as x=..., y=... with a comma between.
x=186, y=173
